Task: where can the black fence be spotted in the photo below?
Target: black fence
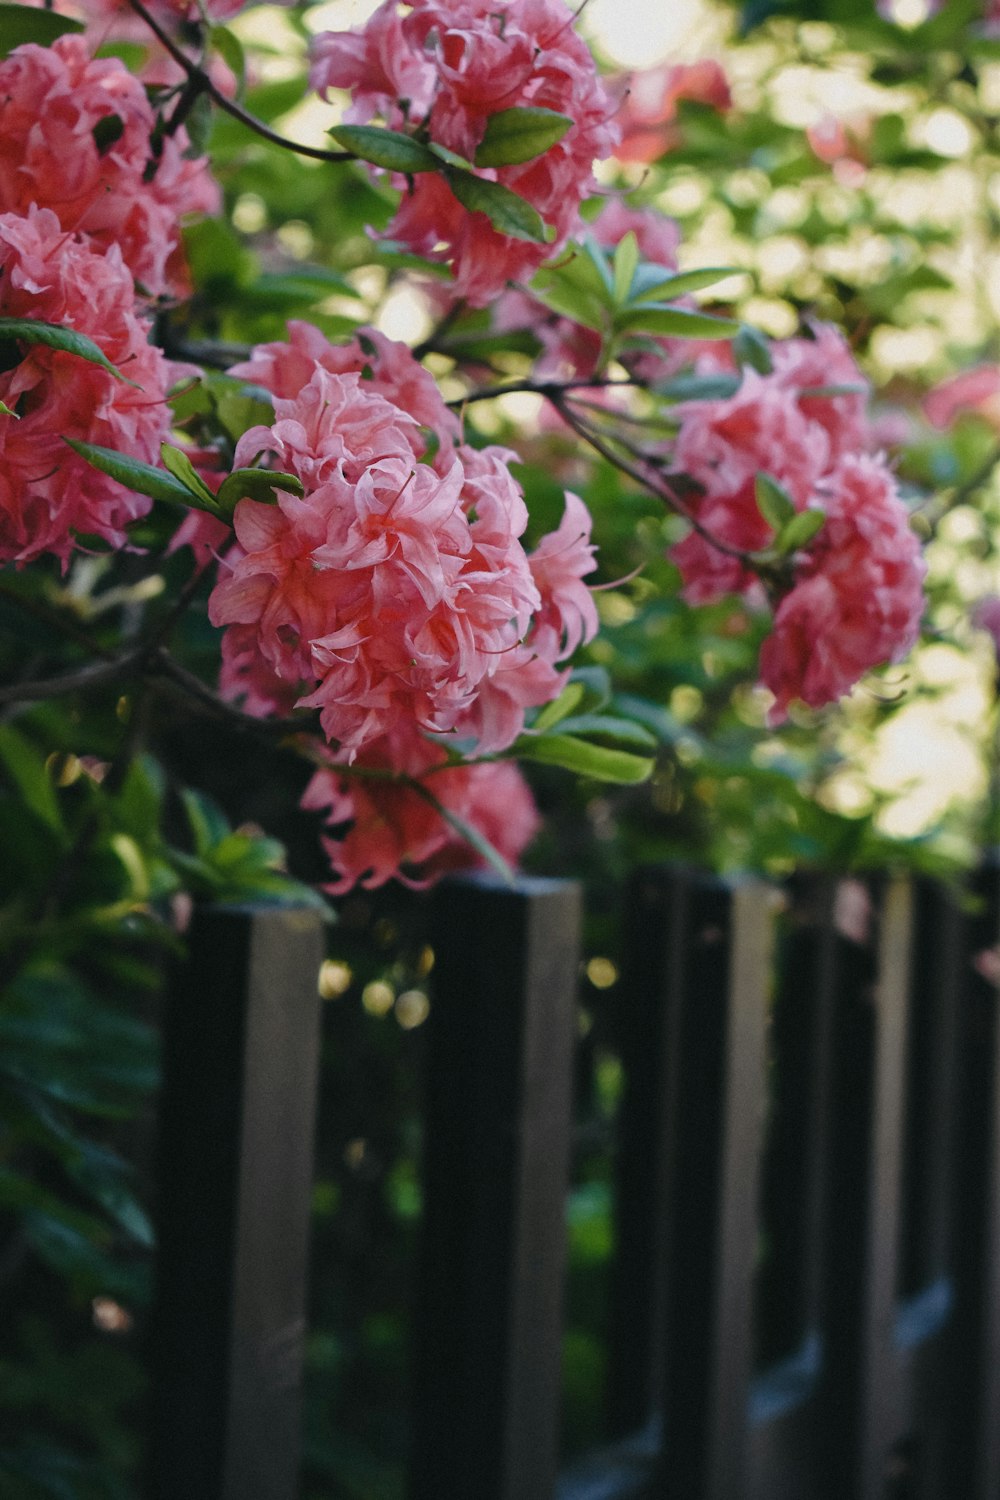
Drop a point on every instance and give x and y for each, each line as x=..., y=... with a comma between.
x=807, y=1225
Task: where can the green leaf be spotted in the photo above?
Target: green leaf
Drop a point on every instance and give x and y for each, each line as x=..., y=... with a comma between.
x=596, y=683
x=751, y=348
x=774, y=502
x=699, y=387
x=800, y=530
x=230, y=49
x=385, y=148
x=209, y=824
x=595, y=253
x=28, y=771
x=675, y=322
x=132, y=472
x=584, y=758
x=610, y=727
x=24, y=23
x=569, y=301
x=255, y=484
x=181, y=467
x=31, y=331
x=520, y=134
x=450, y=158
x=508, y=213
x=667, y=288
x=5, y=411
x=626, y=261
x=569, y=699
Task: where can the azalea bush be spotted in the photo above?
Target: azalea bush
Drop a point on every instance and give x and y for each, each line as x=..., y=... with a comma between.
x=427, y=445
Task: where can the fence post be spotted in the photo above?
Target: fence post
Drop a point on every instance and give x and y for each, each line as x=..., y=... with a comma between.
x=858, y=1411
x=498, y=1119
x=717, y=984
x=975, y=1373
x=241, y=1050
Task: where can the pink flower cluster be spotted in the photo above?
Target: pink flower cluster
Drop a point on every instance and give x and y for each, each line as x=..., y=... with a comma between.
x=47, y=493
x=771, y=425
x=858, y=593
x=446, y=68
x=395, y=596
x=75, y=137
x=389, y=829
x=856, y=598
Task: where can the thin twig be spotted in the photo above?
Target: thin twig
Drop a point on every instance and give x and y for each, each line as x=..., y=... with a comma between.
x=162, y=665
x=552, y=389
x=206, y=86
x=648, y=479
x=96, y=674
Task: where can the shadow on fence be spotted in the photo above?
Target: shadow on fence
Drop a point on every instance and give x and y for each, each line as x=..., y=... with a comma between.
x=807, y=1280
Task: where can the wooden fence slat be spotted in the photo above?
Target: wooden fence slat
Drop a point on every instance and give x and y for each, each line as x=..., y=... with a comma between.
x=498, y=1115
x=938, y=953
x=713, y=1205
x=975, y=1373
x=241, y=1051
x=866, y=1122
x=794, y=1170
x=648, y=1014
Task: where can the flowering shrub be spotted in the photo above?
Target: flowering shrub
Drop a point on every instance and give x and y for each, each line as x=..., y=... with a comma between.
x=385, y=434
x=367, y=564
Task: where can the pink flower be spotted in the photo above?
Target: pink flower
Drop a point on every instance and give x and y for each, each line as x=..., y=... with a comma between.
x=975, y=390
x=723, y=444
x=782, y=424
x=394, y=832
x=815, y=365
x=75, y=138
x=389, y=368
x=558, y=565
x=648, y=116
x=449, y=68
x=857, y=598
x=48, y=495
x=395, y=591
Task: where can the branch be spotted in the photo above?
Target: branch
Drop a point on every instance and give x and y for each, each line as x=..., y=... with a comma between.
x=94, y=675
x=643, y=476
x=206, y=86
x=162, y=665
x=553, y=390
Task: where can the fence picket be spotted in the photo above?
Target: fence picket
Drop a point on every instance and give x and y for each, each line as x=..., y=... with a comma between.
x=723, y=993
x=488, y=1326
x=975, y=1372
x=866, y=1125
x=241, y=1049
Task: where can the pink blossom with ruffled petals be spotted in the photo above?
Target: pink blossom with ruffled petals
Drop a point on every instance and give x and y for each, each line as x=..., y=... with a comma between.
x=388, y=830
x=858, y=596
x=48, y=495
x=450, y=68
x=723, y=444
x=822, y=364
x=52, y=99
x=394, y=591
x=558, y=565
x=794, y=424
x=388, y=367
